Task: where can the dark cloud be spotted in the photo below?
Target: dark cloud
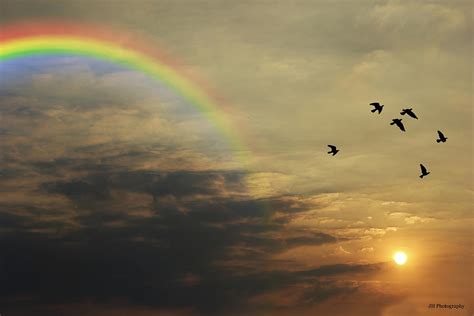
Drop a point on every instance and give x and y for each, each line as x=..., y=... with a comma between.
x=79, y=190
x=179, y=255
x=103, y=266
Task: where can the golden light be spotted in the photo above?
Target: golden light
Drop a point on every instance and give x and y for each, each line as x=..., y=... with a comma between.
x=400, y=257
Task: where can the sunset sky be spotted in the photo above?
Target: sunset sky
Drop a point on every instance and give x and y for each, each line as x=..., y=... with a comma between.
x=120, y=197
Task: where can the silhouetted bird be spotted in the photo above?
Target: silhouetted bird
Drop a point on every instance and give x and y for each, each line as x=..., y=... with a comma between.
x=399, y=123
x=409, y=112
x=377, y=107
x=442, y=138
x=334, y=150
x=424, y=172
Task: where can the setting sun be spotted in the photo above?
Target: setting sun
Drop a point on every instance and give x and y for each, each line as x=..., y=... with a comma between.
x=400, y=257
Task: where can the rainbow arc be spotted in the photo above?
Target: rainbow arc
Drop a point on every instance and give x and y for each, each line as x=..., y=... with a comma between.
x=55, y=38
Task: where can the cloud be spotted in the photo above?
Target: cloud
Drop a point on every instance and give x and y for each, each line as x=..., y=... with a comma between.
x=423, y=18
x=100, y=266
x=410, y=219
x=196, y=236
x=190, y=239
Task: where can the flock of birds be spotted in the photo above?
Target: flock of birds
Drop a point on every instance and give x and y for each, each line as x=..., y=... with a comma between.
x=398, y=122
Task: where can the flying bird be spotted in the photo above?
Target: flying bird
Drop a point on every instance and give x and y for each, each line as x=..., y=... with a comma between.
x=334, y=150
x=442, y=138
x=409, y=112
x=399, y=123
x=424, y=172
x=377, y=107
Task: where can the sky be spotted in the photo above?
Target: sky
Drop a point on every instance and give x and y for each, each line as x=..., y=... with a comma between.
x=120, y=197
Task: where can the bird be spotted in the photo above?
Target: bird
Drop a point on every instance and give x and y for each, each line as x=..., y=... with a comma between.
x=377, y=107
x=424, y=172
x=409, y=112
x=334, y=150
x=399, y=123
x=442, y=138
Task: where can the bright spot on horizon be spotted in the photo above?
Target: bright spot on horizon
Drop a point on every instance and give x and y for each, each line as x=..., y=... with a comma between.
x=400, y=257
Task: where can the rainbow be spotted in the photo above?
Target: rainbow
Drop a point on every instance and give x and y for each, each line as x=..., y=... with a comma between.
x=59, y=38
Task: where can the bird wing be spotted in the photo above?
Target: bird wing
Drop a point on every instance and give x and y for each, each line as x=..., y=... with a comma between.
x=376, y=104
x=440, y=135
x=332, y=147
x=400, y=125
x=412, y=114
x=423, y=169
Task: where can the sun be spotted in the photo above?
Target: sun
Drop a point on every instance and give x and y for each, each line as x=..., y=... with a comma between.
x=400, y=257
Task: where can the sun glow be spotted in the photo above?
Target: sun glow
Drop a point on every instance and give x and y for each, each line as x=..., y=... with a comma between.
x=400, y=257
